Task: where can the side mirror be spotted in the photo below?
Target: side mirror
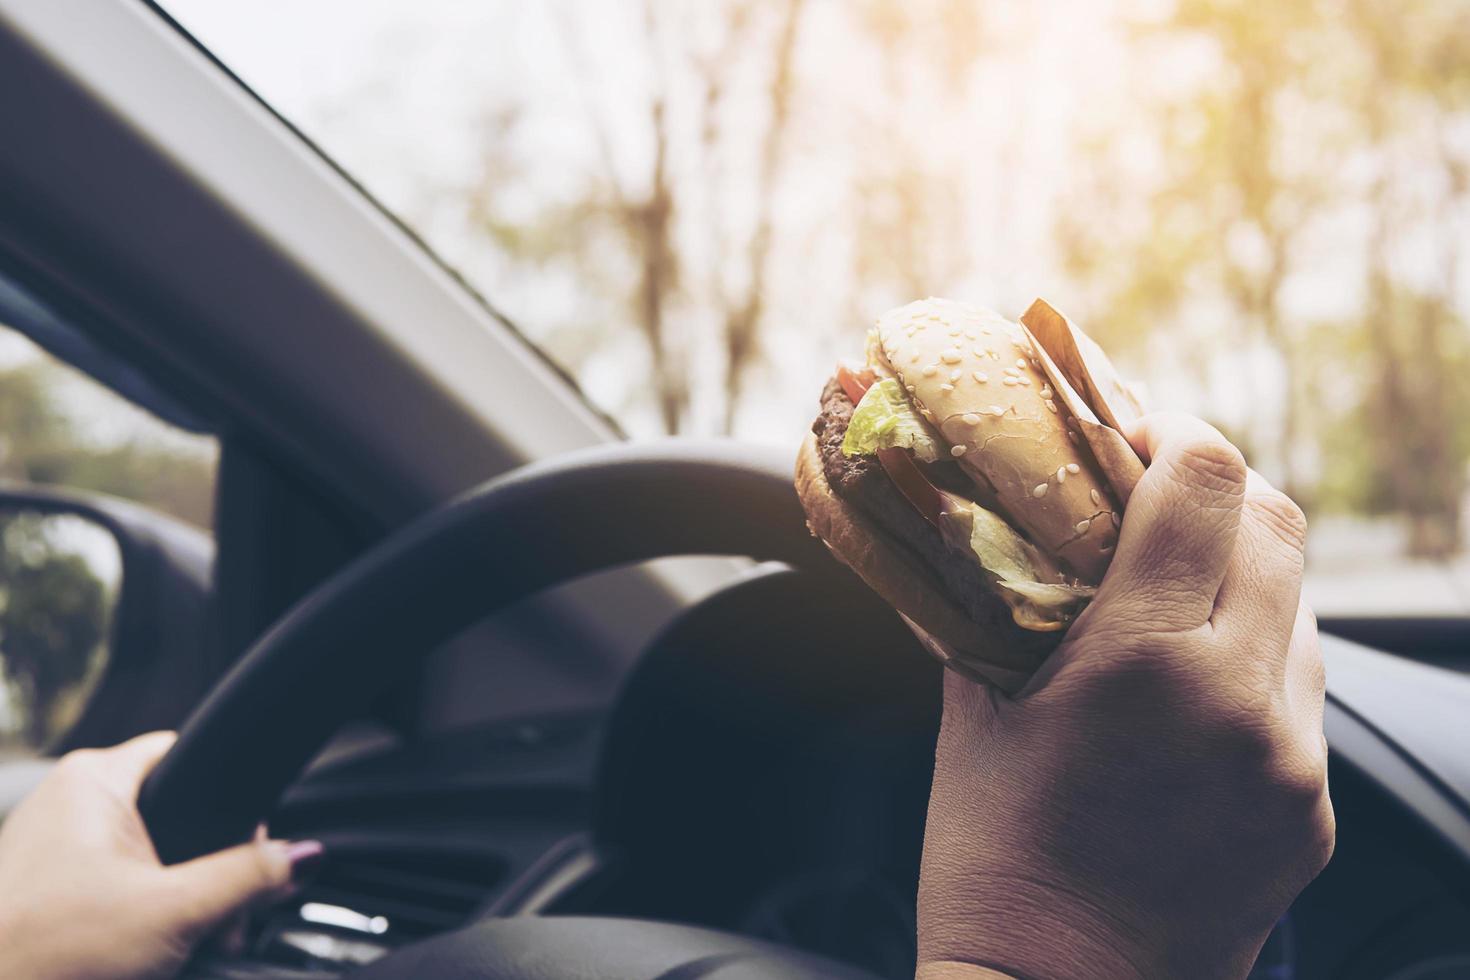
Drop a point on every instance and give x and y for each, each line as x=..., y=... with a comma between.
x=102, y=619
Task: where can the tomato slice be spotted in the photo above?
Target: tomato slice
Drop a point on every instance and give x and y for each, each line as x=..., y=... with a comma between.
x=855, y=381
x=912, y=483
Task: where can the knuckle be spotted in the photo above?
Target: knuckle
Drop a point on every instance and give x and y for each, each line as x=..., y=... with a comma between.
x=1292, y=783
x=1315, y=677
x=262, y=865
x=1281, y=515
x=1324, y=834
x=76, y=764
x=1300, y=777
x=1296, y=764
x=1244, y=725
x=1211, y=464
x=1308, y=618
x=1243, y=732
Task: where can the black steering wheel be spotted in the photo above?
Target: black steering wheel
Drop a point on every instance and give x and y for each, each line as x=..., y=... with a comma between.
x=324, y=661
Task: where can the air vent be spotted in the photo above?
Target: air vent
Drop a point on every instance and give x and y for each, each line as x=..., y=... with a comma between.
x=407, y=891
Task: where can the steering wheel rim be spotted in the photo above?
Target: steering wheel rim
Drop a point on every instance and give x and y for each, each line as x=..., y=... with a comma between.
x=514, y=536
x=601, y=948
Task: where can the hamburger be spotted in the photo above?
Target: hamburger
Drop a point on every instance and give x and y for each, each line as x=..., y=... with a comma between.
x=972, y=471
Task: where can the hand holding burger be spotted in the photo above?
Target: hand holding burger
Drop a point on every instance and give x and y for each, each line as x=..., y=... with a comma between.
x=966, y=475
x=1153, y=794
x=1151, y=806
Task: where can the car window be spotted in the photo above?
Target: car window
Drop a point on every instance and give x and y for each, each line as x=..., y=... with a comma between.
x=60, y=427
x=1262, y=209
x=60, y=573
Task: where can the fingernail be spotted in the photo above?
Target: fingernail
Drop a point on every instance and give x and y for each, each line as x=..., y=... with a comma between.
x=306, y=858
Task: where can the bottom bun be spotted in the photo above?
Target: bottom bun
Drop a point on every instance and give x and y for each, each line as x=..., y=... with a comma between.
x=999, y=653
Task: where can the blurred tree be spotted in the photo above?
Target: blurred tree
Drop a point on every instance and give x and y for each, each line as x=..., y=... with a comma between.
x=40, y=442
x=908, y=206
x=1223, y=220
x=910, y=230
x=53, y=618
x=1412, y=88
x=648, y=221
x=1252, y=153
x=670, y=218
x=743, y=307
x=1272, y=141
x=1412, y=418
x=28, y=419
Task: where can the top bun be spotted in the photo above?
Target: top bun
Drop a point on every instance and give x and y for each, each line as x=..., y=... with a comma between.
x=974, y=375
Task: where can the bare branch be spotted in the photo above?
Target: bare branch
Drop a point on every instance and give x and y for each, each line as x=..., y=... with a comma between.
x=742, y=321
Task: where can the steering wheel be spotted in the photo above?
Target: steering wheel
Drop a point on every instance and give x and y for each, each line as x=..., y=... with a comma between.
x=322, y=663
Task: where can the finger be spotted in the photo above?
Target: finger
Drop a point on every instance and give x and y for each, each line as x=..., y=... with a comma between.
x=124, y=766
x=1263, y=583
x=209, y=890
x=1180, y=526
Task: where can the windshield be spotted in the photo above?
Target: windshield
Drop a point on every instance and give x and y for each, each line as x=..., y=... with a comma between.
x=1263, y=210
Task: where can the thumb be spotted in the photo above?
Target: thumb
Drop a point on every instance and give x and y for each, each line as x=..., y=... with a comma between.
x=1181, y=526
x=208, y=890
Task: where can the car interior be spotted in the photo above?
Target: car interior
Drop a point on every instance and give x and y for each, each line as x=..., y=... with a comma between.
x=558, y=704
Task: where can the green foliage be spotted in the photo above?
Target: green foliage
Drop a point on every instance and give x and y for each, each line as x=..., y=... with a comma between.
x=1254, y=161
x=1410, y=429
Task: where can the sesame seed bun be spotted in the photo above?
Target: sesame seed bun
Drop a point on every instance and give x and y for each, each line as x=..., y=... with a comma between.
x=996, y=651
x=974, y=375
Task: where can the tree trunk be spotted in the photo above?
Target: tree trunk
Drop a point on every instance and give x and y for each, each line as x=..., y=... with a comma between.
x=742, y=322
x=653, y=220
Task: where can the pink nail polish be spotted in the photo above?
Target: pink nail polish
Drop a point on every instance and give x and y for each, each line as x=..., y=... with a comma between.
x=306, y=859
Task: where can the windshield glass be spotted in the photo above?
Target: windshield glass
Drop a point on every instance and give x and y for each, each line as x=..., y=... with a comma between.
x=1263, y=210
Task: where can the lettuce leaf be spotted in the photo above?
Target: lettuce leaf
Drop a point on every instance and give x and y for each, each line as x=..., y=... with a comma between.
x=1027, y=581
x=884, y=419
